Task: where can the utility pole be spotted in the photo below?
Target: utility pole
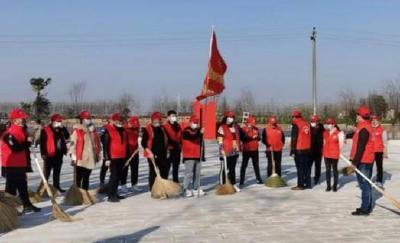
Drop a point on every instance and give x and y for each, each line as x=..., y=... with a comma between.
x=314, y=69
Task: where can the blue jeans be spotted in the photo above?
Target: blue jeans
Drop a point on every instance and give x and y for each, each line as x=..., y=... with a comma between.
x=366, y=189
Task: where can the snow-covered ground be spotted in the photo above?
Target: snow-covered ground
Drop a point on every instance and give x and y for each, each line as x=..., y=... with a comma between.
x=256, y=214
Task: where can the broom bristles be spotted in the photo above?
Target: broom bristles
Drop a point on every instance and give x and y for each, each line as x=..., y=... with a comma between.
x=347, y=171
x=10, y=200
x=77, y=196
x=42, y=192
x=8, y=218
x=163, y=188
x=275, y=181
x=34, y=197
x=225, y=189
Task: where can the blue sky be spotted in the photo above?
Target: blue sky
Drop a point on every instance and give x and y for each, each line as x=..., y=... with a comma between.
x=150, y=47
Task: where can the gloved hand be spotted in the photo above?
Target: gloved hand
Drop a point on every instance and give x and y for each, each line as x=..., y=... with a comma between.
x=108, y=163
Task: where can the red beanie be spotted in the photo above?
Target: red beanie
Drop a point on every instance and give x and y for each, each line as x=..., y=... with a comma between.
x=85, y=115
x=116, y=117
x=134, y=121
x=56, y=118
x=17, y=113
x=156, y=116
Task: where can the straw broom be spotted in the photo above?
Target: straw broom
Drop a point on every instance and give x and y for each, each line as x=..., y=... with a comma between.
x=227, y=188
x=391, y=199
x=42, y=193
x=78, y=196
x=163, y=188
x=58, y=213
x=274, y=180
x=10, y=200
x=8, y=218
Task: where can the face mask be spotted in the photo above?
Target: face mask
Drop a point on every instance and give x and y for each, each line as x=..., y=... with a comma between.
x=118, y=124
x=229, y=120
x=91, y=128
x=88, y=122
x=313, y=124
x=173, y=119
x=330, y=127
x=57, y=124
x=193, y=125
x=156, y=124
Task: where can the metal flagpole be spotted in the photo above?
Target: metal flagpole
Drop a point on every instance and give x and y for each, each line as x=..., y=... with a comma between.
x=314, y=69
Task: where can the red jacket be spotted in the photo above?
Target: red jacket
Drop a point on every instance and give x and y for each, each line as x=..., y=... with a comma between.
x=174, y=137
x=133, y=136
x=378, y=136
x=274, y=138
x=191, y=146
x=250, y=143
x=118, y=145
x=10, y=158
x=331, y=148
x=368, y=155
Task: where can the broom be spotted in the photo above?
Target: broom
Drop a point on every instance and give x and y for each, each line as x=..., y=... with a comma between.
x=10, y=200
x=8, y=217
x=227, y=188
x=347, y=171
x=78, y=196
x=163, y=188
x=391, y=199
x=274, y=180
x=41, y=191
x=58, y=213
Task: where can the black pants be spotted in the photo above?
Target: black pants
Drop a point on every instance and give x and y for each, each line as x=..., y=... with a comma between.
x=254, y=159
x=303, y=167
x=82, y=177
x=134, y=166
x=278, y=162
x=379, y=166
x=316, y=158
x=16, y=181
x=53, y=164
x=103, y=172
x=174, y=161
x=161, y=163
x=116, y=167
x=331, y=164
x=231, y=166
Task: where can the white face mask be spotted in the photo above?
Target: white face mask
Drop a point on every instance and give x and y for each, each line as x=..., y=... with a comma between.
x=88, y=122
x=118, y=124
x=57, y=124
x=229, y=120
x=194, y=126
x=330, y=127
x=156, y=124
x=313, y=124
x=92, y=128
x=173, y=118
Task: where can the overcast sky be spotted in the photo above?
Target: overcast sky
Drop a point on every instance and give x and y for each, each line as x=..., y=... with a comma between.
x=150, y=47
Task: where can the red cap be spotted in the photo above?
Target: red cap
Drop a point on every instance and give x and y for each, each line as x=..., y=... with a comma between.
x=273, y=120
x=85, y=115
x=156, y=116
x=296, y=113
x=17, y=113
x=229, y=114
x=314, y=118
x=330, y=121
x=363, y=111
x=56, y=118
x=116, y=117
x=194, y=119
x=375, y=117
x=134, y=121
x=251, y=120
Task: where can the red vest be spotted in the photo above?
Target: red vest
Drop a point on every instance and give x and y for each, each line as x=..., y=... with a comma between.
x=303, y=136
x=331, y=148
x=230, y=138
x=191, y=148
x=149, y=130
x=172, y=134
x=274, y=138
x=378, y=132
x=368, y=156
x=118, y=144
x=133, y=135
x=252, y=144
x=9, y=158
x=50, y=144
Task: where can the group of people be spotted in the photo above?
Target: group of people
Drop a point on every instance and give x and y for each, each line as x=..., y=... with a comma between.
x=167, y=144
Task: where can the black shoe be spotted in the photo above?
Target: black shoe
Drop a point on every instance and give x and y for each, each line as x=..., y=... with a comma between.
x=30, y=208
x=316, y=181
x=297, y=188
x=120, y=197
x=260, y=182
x=113, y=199
x=334, y=189
x=360, y=212
x=328, y=189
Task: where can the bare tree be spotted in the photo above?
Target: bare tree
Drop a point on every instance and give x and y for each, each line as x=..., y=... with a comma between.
x=245, y=102
x=348, y=105
x=391, y=91
x=76, y=93
x=128, y=104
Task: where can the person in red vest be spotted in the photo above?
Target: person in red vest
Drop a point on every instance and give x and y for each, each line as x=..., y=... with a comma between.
x=229, y=142
x=332, y=145
x=84, y=149
x=174, y=134
x=380, y=136
x=53, y=147
x=274, y=139
x=362, y=155
x=250, y=138
x=154, y=143
x=14, y=149
x=317, y=131
x=132, y=128
x=115, y=152
x=192, y=137
x=301, y=150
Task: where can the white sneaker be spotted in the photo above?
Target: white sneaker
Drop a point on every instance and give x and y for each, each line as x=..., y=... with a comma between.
x=124, y=189
x=189, y=193
x=236, y=188
x=136, y=188
x=200, y=192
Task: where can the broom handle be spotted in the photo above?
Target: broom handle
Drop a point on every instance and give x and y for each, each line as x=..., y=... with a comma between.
x=273, y=161
x=385, y=194
x=46, y=185
x=225, y=165
x=155, y=167
x=130, y=158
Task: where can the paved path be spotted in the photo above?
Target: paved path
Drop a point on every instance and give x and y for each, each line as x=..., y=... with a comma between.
x=257, y=214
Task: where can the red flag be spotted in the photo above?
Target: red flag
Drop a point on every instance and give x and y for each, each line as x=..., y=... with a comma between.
x=214, y=81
